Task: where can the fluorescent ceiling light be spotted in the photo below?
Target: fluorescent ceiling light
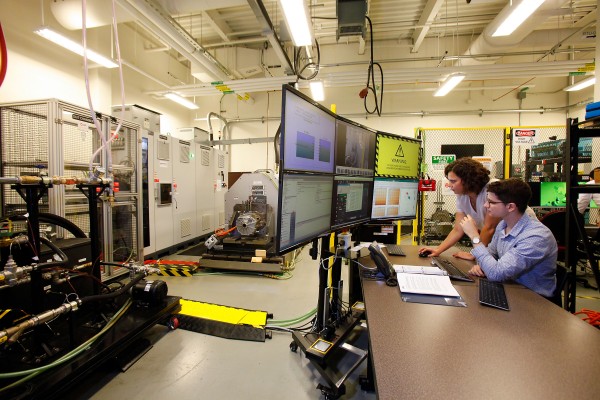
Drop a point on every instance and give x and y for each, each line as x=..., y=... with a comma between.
x=297, y=19
x=519, y=14
x=449, y=84
x=317, y=91
x=581, y=84
x=75, y=47
x=180, y=100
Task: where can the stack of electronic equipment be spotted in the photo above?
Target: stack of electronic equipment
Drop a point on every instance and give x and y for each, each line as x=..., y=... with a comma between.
x=58, y=319
x=556, y=148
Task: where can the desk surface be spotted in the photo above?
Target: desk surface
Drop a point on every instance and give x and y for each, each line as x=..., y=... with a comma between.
x=534, y=351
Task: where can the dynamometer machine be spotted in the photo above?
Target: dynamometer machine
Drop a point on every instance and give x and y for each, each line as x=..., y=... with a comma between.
x=250, y=212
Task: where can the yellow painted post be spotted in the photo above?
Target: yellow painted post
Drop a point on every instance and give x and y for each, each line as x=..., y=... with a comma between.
x=507, y=152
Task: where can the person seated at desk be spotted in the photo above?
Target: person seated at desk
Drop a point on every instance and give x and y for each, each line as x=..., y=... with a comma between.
x=522, y=248
x=469, y=180
x=583, y=201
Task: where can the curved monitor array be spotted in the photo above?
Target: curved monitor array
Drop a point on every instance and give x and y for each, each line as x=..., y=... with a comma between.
x=336, y=173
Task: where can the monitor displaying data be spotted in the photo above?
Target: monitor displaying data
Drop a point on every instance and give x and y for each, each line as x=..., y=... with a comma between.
x=462, y=150
x=354, y=149
x=397, y=156
x=553, y=194
x=304, y=211
x=352, y=198
x=394, y=199
x=307, y=134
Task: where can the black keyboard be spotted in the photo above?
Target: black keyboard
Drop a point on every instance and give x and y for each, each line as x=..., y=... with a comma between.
x=453, y=271
x=395, y=250
x=492, y=294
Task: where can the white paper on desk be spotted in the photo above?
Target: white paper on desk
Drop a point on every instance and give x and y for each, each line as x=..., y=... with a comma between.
x=418, y=269
x=438, y=285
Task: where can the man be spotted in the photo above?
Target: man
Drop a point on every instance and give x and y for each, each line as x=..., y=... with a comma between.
x=522, y=248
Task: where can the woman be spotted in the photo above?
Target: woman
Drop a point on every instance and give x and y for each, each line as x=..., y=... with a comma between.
x=468, y=179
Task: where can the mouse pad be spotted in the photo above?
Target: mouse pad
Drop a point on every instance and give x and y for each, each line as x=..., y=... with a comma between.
x=430, y=299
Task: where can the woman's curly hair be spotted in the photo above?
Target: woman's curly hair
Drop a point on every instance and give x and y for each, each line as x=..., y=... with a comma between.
x=472, y=173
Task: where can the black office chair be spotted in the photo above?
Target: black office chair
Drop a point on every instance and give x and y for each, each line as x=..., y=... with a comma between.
x=555, y=221
x=563, y=282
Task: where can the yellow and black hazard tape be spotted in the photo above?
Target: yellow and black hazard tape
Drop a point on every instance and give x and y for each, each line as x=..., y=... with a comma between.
x=177, y=271
x=174, y=267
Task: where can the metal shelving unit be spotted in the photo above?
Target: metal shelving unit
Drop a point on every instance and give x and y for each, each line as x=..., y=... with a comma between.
x=574, y=229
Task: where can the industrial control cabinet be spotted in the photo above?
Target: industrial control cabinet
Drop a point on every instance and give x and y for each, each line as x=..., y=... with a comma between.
x=184, y=190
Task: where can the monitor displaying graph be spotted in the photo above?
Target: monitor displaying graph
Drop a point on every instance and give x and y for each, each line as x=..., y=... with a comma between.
x=307, y=134
x=394, y=199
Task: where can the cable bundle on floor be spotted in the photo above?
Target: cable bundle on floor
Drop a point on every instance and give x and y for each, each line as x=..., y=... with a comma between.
x=593, y=317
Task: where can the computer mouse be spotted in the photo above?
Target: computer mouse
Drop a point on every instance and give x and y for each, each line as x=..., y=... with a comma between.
x=425, y=253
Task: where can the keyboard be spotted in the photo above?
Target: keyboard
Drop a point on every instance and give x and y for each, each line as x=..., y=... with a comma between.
x=453, y=271
x=492, y=294
x=395, y=250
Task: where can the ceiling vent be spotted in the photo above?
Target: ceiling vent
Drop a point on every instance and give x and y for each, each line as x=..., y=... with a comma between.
x=351, y=17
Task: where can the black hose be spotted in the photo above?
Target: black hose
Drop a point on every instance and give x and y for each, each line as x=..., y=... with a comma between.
x=101, y=297
x=53, y=219
x=56, y=249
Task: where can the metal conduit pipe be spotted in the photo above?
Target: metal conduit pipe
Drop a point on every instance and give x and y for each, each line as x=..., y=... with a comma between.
x=540, y=110
x=226, y=132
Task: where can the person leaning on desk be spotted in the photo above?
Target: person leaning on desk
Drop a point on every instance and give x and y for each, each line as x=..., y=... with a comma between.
x=522, y=248
x=469, y=180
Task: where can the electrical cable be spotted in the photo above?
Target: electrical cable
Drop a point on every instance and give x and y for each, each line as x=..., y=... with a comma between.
x=371, y=80
x=298, y=72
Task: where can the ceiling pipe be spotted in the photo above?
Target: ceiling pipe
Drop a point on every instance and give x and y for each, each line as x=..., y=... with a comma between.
x=486, y=43
x=395, y=76
x=157, y=21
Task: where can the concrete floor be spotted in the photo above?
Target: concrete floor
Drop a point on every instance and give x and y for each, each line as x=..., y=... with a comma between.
x=189, y=365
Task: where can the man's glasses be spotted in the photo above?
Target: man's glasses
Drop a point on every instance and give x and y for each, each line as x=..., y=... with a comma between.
x=493, y=202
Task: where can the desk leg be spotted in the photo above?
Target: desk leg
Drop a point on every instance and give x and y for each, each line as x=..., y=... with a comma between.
x=367, y=382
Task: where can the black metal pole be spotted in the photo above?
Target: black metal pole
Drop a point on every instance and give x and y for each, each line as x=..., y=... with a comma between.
x=32, y=194
x=92, y=195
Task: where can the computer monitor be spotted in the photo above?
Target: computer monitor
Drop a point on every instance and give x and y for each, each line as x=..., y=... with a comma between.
x=553, y=194
x=352, y=197
x=304, y=209
x=397, y=156
x=307, y=134
x=354, y=148
x=394, y=199
x=535, y=194
x=463, y=150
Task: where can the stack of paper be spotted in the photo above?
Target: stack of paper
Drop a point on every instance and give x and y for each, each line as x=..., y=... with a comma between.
x=437, y=285
x=418, y=269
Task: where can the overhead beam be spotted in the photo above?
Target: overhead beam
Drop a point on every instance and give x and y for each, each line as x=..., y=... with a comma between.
x=218, y=24
x=427, y=17
x=262, y=16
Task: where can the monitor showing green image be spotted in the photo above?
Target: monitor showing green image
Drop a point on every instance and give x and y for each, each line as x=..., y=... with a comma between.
x=553, y=194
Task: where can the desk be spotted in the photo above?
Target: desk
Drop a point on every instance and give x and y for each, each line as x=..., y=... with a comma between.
x=534, y=351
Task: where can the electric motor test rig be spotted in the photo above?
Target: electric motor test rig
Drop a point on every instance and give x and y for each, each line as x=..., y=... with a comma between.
x=58, y=319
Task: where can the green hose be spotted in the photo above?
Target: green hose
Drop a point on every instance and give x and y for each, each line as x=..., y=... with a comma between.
x=31, y=373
